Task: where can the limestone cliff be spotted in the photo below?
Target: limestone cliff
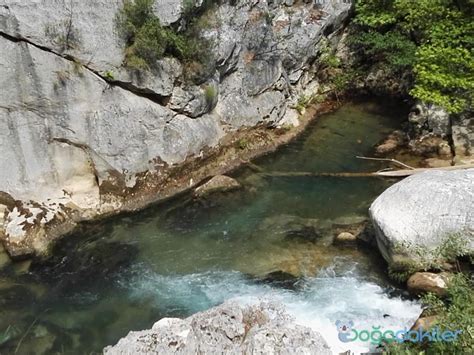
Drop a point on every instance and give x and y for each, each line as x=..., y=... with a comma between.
x=82, y=137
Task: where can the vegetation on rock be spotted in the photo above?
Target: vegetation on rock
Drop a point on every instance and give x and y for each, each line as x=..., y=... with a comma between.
x=432, y=39
x=455, y=312
x=147, y=40
x=453, y=247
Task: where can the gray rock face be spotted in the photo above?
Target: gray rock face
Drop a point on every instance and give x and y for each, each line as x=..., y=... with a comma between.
x=428, y=118
x=426, y=217
x=79, y=131
x=463, y=137
x=430, y=122
x=226, y=329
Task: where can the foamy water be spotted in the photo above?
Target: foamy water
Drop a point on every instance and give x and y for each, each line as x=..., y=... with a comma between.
x=317, y=303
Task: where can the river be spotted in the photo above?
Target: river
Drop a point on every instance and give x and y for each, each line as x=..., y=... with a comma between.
x=186, y=255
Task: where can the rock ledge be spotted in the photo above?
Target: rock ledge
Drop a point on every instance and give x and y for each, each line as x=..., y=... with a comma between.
x=226, y=329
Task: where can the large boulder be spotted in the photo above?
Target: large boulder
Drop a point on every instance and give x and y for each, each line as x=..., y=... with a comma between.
x=426, y=218
x=227, y=329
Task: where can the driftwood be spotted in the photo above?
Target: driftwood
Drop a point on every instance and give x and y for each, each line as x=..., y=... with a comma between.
x=393, y=161
x=388, y=174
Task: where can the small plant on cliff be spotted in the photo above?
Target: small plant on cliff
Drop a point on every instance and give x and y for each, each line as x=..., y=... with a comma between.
x=109, y=74
x=210, y=94
x=302, y=103
x=243, y=143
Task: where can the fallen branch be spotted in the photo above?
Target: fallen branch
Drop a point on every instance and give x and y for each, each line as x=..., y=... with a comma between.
x=388, y=174
x=394, y=161
x=252, y=166
x=408, y=172
x=308, y=174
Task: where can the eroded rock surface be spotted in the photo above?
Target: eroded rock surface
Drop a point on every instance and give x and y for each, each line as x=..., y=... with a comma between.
x=433, y=128
x=227, y=329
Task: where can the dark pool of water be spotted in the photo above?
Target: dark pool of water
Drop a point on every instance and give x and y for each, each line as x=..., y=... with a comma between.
x=185, y=255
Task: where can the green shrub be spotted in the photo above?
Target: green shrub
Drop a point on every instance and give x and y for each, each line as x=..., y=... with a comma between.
x=393, y=49
x=455, y=312
x=432, y=38
x=132, y=17
x=303, y=102
x=243, y=144
x=147, y=41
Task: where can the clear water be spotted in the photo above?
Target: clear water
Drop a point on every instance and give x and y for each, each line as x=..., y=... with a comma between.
x=184, y=256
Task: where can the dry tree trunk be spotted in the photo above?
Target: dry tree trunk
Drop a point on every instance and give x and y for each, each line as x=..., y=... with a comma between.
x=386, y=174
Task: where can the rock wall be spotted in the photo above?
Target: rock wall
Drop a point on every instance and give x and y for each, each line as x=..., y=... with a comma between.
x=432, y=128
x=81, y=135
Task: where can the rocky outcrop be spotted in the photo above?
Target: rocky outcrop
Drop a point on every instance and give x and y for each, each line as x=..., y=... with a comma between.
x=462, y=132
x=428, y=118
x=83, y=137
x=426, y=218
x=226, y=329
x=436, y=132
x=393, y=142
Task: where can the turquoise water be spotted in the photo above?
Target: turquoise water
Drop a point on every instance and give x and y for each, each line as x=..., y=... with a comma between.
x=186, y=255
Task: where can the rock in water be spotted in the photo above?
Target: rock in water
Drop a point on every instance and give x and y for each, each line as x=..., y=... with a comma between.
x=345, y=238
x=424, y=282
x=218, y=183
x=426, y=217
x=227, y=329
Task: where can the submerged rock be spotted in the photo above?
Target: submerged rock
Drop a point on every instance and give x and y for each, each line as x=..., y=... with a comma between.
x=426, y=217
x=227, y=329
x=15, y=297
x=218, y=183
x=288, y=227
x=394, y=141
x=85, y=268
x=280, y=279
x=345, y=238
